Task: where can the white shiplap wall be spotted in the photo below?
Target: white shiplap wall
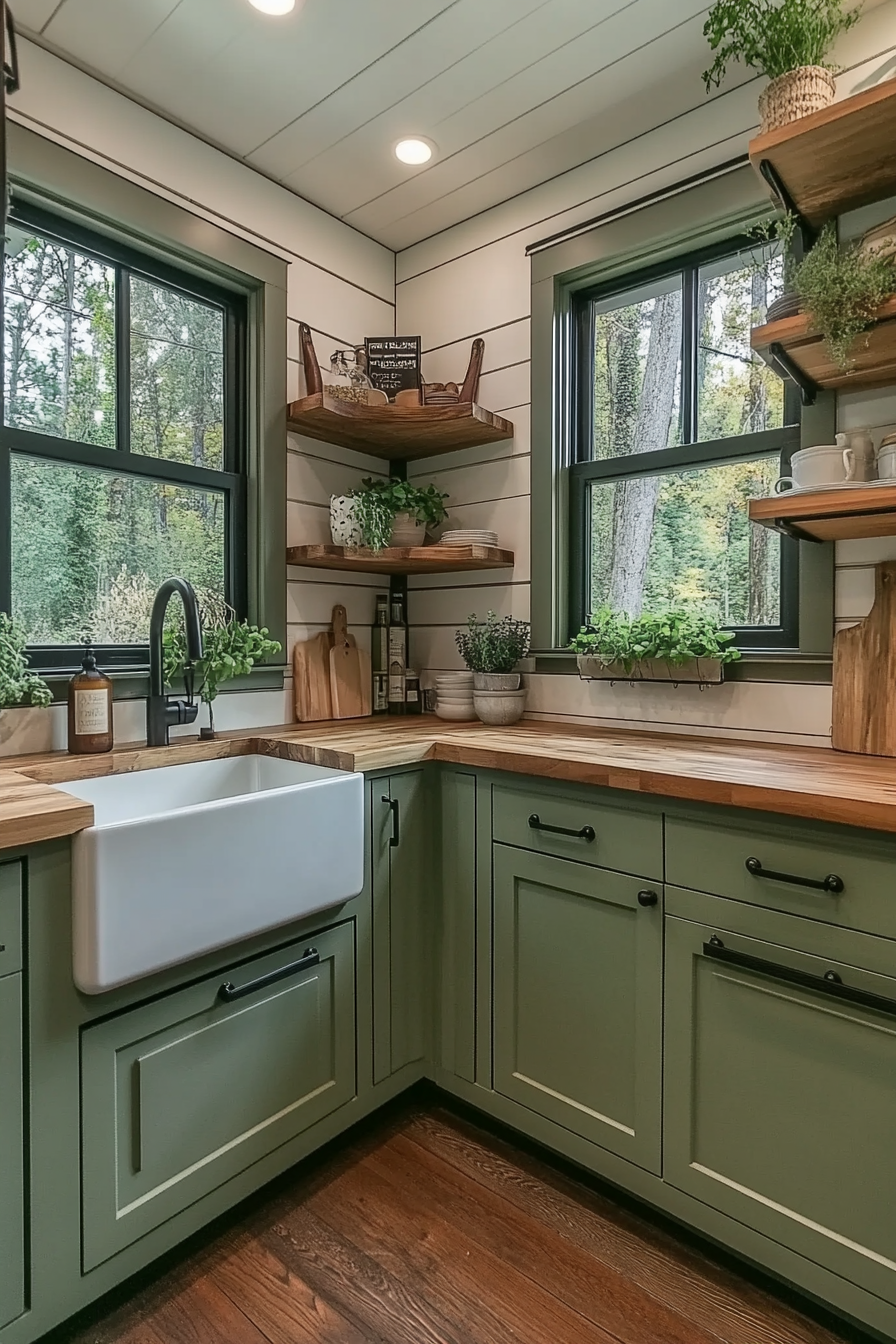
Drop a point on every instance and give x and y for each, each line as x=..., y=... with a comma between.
x=339, y=282
x=474, y=280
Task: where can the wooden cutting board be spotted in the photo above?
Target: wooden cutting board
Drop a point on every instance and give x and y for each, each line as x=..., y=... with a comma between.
x=350, y=682
x=311, y=678
x=864, y=712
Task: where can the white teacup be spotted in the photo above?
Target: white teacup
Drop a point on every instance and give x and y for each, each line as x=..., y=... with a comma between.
x=825, y=464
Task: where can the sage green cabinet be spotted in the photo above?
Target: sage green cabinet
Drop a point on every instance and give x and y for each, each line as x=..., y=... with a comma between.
x=403, y=879
x=780, y=1102
x=184, y=1092
x=10, y=917
x=578, y=966
x=12, y=1150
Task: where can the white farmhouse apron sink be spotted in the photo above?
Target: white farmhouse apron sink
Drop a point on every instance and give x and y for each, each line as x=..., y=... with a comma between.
x=184, y=859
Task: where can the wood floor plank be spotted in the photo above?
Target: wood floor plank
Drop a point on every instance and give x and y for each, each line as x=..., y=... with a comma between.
x=401, y=1230
x=703, y=1291
x=203, y=1314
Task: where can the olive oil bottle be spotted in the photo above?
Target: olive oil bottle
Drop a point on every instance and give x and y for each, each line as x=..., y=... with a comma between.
x=379, y=655
x=398, y=654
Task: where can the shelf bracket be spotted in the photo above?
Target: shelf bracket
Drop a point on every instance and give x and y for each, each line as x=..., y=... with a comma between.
x=788, y=529
x=778, y=188
x=781, y=360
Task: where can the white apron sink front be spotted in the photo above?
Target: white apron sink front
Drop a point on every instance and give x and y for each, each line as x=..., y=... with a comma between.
x=188, y=858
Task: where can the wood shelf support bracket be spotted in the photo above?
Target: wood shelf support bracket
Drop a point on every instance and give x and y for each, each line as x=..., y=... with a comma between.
x=788, y=368
x=778, y=188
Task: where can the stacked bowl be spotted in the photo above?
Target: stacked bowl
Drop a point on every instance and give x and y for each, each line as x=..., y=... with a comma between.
x=454, y=696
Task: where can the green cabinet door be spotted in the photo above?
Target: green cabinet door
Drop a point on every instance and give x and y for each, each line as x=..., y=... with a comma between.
x=12, y=1149
x=780, y=1096
x=578, y=966
x=182, y=1093
x=403, y=899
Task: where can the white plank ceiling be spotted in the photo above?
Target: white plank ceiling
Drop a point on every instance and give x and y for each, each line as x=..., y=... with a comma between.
x=512, y=92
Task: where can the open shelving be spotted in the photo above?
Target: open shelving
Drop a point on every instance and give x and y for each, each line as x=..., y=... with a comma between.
x=397, y=433
x=830, y=515
x=793, y=348
x=399, y=560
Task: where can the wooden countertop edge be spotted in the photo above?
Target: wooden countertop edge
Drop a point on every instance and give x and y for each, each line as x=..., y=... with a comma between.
x=31, y=812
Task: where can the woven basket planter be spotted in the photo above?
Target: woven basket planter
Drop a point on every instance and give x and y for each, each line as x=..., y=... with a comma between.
x=794, y=95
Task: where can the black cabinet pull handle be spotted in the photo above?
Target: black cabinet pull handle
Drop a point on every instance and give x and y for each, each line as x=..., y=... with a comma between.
x=586, y=833
x=648, y=898
x=830, y=983
x=831, y=883
x=229, y=992
x=395, y=808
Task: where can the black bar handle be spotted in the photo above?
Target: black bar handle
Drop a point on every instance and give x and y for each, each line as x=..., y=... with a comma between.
x=229, y=992
x=829, y=983
x=586, y=833
x=395, y=808
x=832, y=883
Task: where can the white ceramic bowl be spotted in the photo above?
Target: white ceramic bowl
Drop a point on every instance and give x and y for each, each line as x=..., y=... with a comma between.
x=456, y=713
x=498, y=709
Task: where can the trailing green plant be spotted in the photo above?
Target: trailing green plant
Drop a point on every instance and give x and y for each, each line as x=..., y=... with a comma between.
x=674, y=637
x=841, y=289
x=773, y=36
x=493, y=645
x=18, y=684
x=230, y=648
x=377, y=504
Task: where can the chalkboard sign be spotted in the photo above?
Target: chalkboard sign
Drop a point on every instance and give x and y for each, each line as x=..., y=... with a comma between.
x=393, y=363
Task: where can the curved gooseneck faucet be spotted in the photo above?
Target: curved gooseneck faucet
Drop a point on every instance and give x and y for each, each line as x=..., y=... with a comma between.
x=162, y=712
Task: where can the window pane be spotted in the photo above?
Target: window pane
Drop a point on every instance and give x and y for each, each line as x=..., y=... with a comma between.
x=177, y=377
x=89, y=549
x=59, y=341
x=737, y=393
x=684, y=540
x=637, y=370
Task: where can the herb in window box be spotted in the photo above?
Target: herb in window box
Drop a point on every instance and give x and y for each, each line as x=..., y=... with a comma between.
x=667, y=646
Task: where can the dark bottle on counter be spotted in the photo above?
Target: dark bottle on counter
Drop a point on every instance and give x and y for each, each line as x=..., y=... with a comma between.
x=398, y=654
x=89, y=708
x=379, y=655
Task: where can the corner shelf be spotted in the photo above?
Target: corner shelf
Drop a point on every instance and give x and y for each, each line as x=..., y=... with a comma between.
x=402, y=559
x=791, y=346
x=836, y=159
x=830, y=515
x=399, y=433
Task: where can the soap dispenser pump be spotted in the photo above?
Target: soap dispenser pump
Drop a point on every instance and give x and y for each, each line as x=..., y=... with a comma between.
x=89, y=707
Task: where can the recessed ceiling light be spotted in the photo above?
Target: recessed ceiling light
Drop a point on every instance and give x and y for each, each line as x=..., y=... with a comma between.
x=414, y=151
x=274, y=6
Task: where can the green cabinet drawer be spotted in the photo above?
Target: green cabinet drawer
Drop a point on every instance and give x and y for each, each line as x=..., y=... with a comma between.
x=10, y=917
x=183, y=1093
x=717, y=858
x=609, y=835
x=578, y=970
x=780, y=1096
x=12, y=1151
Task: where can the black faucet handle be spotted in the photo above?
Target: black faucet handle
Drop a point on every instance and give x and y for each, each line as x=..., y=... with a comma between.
x=179, y=712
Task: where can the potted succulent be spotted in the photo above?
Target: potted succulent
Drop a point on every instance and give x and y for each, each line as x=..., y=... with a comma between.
x=491, y=650
x=674, y=646
x=230, y=648
x=19, y=686
x=787, y=40
x=386, y=513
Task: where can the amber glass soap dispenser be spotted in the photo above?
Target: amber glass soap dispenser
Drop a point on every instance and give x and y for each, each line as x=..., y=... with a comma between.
x=89, y=708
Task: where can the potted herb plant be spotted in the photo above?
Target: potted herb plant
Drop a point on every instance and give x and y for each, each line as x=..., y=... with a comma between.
x=386, y=513
x=230, y=648
x=841, y=289
x=491, y=650
x=787, y=40
x=670, y=646
x=19, y=686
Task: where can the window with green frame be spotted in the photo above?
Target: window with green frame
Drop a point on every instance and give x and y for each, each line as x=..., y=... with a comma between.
x=676, y=425
x=123, y=439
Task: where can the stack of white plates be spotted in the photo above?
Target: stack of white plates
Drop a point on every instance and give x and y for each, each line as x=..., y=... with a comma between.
x=454, y=696
x=469, y=537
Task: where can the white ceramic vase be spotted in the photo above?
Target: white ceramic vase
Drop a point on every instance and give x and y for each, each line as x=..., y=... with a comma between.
x=344, y=526
x=499, y=709
x=496, y=681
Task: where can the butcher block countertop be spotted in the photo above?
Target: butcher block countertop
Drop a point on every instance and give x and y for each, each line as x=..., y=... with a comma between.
x=796, y=781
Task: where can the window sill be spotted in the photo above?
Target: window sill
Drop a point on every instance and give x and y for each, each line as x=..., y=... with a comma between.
x=784, y=665
x=133, y=683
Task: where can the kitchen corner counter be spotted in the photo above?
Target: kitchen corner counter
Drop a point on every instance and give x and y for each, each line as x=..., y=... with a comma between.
x=797, y=781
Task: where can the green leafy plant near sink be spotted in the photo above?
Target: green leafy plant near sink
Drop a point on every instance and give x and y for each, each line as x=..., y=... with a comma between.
x=671, y=637
x=230, y=648
x=18, y=684
x=378, y=503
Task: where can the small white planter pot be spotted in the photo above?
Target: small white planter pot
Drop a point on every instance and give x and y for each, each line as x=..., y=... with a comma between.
x=499, y=709
x=703, y=671
x=344, y=526
x=496, y=681
x=406, y=531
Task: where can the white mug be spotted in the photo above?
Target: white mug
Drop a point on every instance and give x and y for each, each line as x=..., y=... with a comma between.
x=886, y=462
x=823, y=465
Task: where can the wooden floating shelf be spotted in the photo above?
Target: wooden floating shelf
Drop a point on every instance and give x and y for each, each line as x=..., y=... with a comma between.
x=398, y=433
x=836, y=159
x=830, y=515
x=402, y=559
x=874, y=357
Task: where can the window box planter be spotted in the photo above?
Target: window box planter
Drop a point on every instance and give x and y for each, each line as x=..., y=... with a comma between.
x=699, y=671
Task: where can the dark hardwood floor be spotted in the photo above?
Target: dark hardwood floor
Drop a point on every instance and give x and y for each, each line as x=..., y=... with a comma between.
x=425, y=1229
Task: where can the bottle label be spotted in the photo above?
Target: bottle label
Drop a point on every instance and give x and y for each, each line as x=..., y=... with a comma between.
x=380, y=692
x=91, y=713
x=398, y=656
